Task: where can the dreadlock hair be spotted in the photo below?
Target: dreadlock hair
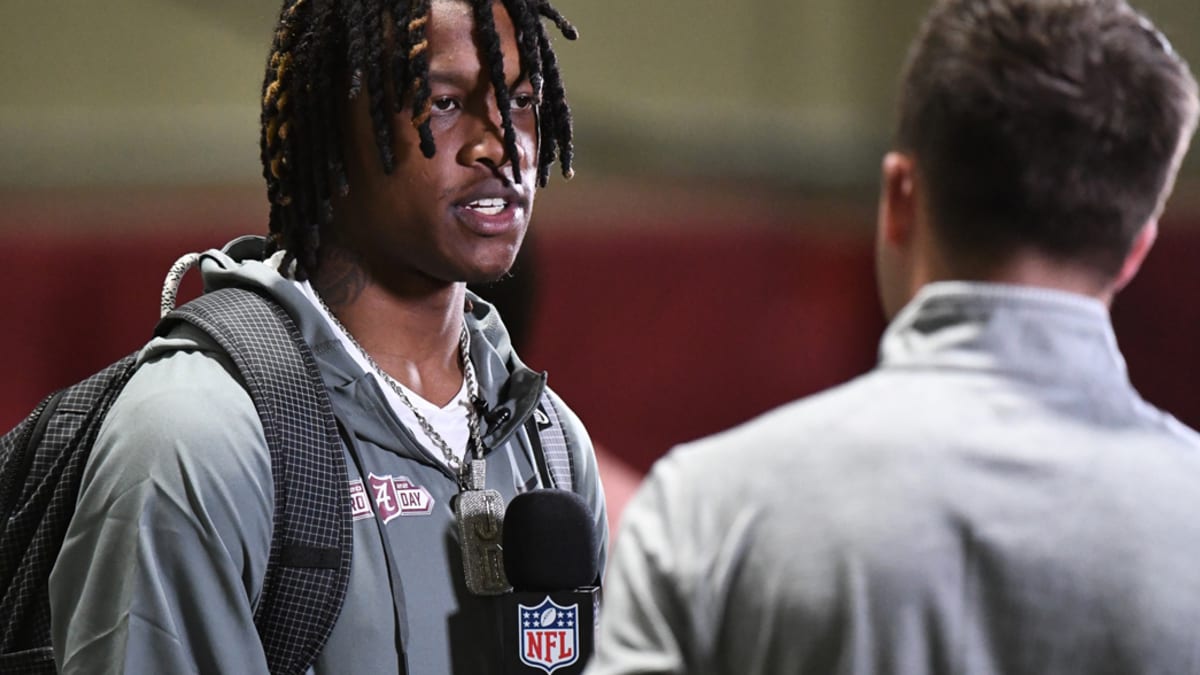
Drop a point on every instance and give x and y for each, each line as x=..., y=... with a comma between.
x=321, y=44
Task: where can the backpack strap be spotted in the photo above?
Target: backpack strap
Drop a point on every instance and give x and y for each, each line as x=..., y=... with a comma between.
x=551, y=449
x=309, y=565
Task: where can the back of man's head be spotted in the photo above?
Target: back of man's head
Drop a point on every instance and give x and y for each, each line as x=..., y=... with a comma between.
x=1050, y=125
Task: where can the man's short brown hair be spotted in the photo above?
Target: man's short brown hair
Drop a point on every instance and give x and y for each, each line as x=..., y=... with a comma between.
x=1056, y=125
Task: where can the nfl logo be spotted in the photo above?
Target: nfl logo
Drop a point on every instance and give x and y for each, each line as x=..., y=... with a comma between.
x=549, y=635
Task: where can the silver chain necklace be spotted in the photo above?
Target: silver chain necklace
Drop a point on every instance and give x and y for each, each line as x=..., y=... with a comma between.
x=464, y=349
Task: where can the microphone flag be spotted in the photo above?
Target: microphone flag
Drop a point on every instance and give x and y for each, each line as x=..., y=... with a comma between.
x=551, y=633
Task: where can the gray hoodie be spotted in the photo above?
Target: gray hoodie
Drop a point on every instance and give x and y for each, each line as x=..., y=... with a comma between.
x=164, y=559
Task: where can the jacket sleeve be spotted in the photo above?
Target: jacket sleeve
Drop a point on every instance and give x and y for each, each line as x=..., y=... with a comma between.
x=587, y=473
x=646, y=624
x=164, y=558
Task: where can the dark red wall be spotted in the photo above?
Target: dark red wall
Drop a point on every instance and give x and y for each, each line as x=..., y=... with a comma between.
x=655, y=335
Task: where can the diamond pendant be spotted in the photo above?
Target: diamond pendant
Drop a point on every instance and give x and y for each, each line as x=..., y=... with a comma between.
x=480, y=516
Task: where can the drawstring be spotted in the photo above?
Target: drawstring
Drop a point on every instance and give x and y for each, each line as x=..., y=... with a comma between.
x=174, y=278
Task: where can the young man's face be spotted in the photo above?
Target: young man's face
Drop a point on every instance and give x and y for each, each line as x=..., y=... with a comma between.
x=457, y=216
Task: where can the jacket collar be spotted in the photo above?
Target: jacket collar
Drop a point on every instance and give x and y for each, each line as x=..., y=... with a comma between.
x=1037, y=334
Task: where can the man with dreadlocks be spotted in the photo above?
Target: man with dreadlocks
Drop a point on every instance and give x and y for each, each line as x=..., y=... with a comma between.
x=402, y=143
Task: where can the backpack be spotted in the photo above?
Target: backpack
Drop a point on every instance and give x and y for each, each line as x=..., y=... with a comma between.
x=42, y=461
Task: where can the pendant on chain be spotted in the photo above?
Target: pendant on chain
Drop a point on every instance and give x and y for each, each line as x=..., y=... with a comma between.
x=480, y=515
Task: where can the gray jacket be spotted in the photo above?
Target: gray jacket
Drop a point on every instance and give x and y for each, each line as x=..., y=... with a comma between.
x=993, y=498
x=164, y=559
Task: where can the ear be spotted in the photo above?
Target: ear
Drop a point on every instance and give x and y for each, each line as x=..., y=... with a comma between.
x=896, y=237
x=897, y=200
x=1137, y=253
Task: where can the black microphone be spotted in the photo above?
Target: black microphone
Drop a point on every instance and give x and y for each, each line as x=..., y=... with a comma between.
x=548, y=622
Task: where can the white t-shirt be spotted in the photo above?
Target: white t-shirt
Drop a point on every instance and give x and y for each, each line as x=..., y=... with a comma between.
x=450, y=420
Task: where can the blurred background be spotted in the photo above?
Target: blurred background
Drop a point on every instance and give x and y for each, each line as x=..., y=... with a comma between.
x=711, y=259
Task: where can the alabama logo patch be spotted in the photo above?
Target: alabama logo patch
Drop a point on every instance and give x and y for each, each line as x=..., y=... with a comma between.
x=549, y=635
x=393, y=497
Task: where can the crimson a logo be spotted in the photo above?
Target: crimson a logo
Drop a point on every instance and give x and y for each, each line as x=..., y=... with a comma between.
x=393, y=497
